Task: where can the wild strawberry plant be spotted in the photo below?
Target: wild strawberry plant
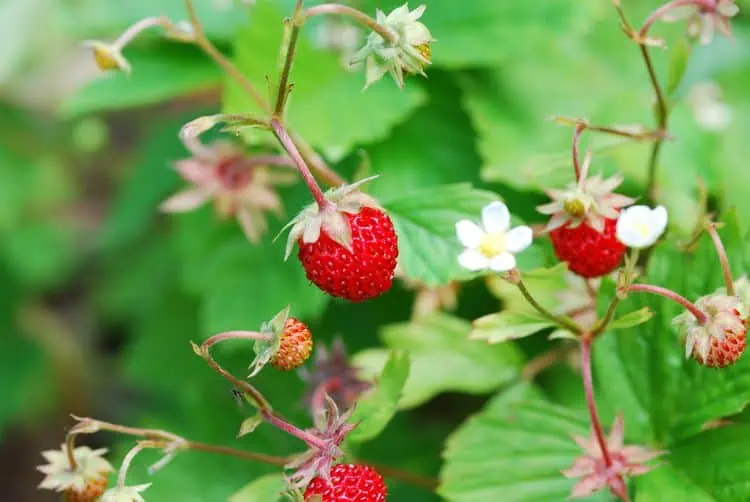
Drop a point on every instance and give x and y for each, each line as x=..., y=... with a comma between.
x=609, y=323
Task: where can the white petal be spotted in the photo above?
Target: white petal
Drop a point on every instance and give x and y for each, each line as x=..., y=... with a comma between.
x=628, y=236
x=495, y=217
x=473, y=260
x=186, y=200
x=518, y=239
x=469, y=233
x=659, y=219
x=503, y=263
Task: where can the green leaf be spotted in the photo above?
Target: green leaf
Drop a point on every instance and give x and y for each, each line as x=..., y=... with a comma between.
x=508, y=325
x=267, y=488
x=376, y=408
x=443, y=359
x=425, y=222
x=678, y=61
x=667, y=483
x=159, y=73
x=488, y=32
x=514, y=449
x=249, y=284
x=645, y=374
x=249, y=425
x=632, y=319
x=321, y=85
x=716, y=461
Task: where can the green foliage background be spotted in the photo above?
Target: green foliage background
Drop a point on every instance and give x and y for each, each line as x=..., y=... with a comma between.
x=100, y=294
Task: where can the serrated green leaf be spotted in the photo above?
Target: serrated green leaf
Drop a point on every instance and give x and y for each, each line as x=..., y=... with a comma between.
x=321, y=85
x=514, y=449
x=376, y=408
x=508, y=325
x=159, y=74
x=483, y=31
x=443, y=359
x=267, y=488
x=632, y=319
x=425, y=222
x=716, y=461
x=667, y=483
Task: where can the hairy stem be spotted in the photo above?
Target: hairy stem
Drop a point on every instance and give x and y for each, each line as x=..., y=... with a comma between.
x=316, y=162
x=290, y=51
x=701, y=316
x=236, y=335
x=723, y=259
x=559, y=320
x=344, y=10
x=580, y=127
x=254, y=394
x=588, y=386
x=293, y=430
x=229, y=68
x=286, y=141
x=662, y=115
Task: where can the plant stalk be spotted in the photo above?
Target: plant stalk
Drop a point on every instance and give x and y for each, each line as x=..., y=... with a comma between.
x=344, y=10
x=700, y=316
x=559, y=320
x=723, y=258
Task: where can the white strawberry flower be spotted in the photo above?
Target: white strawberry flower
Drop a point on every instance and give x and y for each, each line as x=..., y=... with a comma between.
x=493, y=244
x=640, y=226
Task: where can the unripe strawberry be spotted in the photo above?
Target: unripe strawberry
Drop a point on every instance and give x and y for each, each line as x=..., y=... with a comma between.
x=295, y=347
x=91, y=492
x=587, y=252
x=721, y=340
x=363, y=272
x=349, y=483
x=348, y=247
x=86, y=482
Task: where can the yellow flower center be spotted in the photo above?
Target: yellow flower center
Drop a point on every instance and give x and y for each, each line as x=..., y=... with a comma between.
x=492, y=245
x=642, y=229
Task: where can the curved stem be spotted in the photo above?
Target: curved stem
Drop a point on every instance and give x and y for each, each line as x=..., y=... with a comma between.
x=316, y=162
x=229, y=68
x=138, y=27
x=588, y=386
x=135, y=450
x=723, y=259
x=559, y=320
x=286, y=141
x=580, y=127
x=664, y=9
x=344, y=10
x=258, y=399
x=235, y=335
x=70, y=446
x=668, y=293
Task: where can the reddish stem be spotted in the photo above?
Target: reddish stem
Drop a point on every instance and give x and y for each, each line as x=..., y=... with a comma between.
x=235, y=335
x=588, y=386
x=664, y=9
x=668, y=293
x=580, y=127
x=723, y=259
x=283, y=136
x=293, y=430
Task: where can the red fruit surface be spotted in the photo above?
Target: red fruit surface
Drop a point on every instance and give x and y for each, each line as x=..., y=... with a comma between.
x=724, y=352
x=349, y=483
x=366, y=271
x=295, y=347
x=93, y=490
x=587, y=252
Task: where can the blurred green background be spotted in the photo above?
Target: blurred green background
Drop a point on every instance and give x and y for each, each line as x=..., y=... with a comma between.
x=100, y=294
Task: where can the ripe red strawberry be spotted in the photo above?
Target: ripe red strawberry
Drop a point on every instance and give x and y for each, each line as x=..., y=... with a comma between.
x=349, y=483
x=587, y=252
x=362, y=273
x=93, y=490
x=295, y=346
